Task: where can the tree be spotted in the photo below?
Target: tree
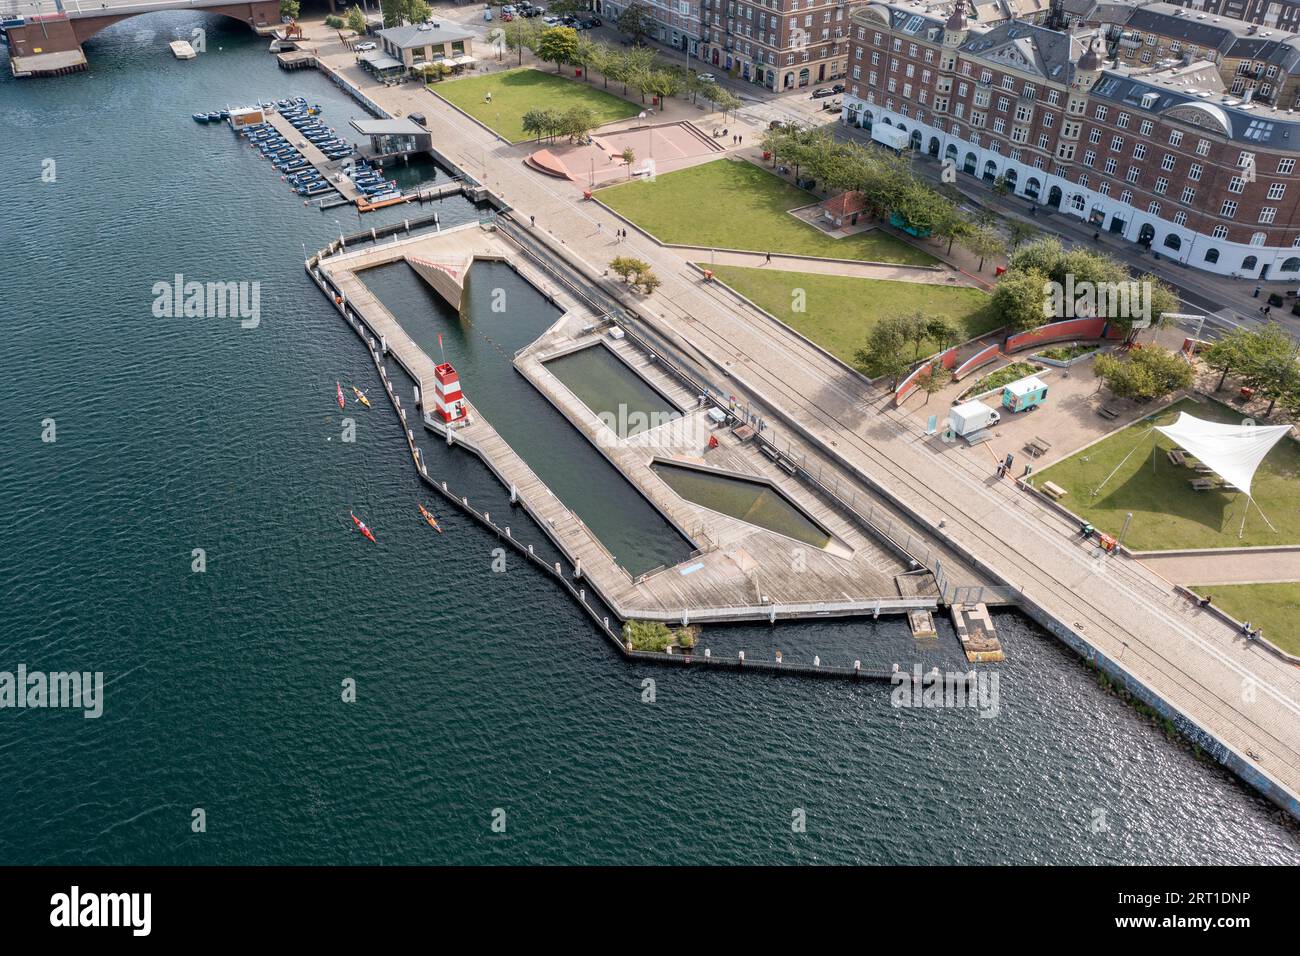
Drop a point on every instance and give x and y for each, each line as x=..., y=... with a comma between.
x=1041, y=255
x=577, y=122
x=636, y=272
x=558, y=45
x=520, y=35
x=636, y=22
x=1018, y=232
x=1270, y=365
x=1022, y=300
x=534, y=122
x=586, y=53
x=356, y=20
x=942, y=331
x=290, y=9
x=629, y=157
x=561, y=8
x=984, y=242
x=1147, y=373
x=333, y=22
x=417, y=11
x=916, y=326
x=1231, y=352
x=936, y=381
x=885, y=352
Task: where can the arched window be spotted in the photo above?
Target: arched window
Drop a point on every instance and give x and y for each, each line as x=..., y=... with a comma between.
x=1220, y=232
x=1077, y=201
x=1258, y=239
x=1211, y=255
x=1291, y=265
x=1174, y=241
x=1248, y=264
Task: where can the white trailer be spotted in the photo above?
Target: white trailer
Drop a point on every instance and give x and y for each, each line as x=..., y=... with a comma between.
x=970, y=417
x=890, y=136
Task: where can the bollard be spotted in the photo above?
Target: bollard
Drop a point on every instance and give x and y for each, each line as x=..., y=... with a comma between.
x=557, y=569
x=450, y=438
x=416, y=390
x=409, y=436
x=606, y=620
x=444, y=486
x=383, y=344
x=514, y=495
x=686, y=618
x=487, y=517
x=742, y=657
x=508, y=534
x=817, y=661
x=771, y=616
x=875, y=613
x=373, y=237
x=895, y=669
x=857, y=666
x=577, y=569
x=465, y=502
x=708, y=653
x=530, y=550
x=582, y=595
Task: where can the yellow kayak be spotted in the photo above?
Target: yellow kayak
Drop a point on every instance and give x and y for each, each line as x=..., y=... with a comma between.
x=433, y=522
x=361, y=396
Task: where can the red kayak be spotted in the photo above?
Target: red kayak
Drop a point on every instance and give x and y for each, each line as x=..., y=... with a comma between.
x=361, y=526
x=342, y=402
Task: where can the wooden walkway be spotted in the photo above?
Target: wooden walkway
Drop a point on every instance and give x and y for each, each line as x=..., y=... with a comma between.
x=738, y=571
x=329, y=168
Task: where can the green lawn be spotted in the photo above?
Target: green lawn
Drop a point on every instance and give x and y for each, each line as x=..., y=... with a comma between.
x=1274, y=607
x=733, y=204
x=514, y=92
x=839, y=310
x=1167, y=513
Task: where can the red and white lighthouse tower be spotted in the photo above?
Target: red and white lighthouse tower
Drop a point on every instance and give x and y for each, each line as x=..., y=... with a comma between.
x=449, y=400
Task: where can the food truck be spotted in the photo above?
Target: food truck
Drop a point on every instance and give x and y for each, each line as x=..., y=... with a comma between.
x=1022, y=395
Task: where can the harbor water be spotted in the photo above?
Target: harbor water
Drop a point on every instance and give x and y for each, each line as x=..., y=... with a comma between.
x=477, y=689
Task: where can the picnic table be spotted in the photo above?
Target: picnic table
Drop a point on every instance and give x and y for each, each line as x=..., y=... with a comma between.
x=1038, y=446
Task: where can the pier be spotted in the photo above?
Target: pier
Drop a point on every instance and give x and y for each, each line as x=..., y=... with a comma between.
x=738, y=572
x=329, y=168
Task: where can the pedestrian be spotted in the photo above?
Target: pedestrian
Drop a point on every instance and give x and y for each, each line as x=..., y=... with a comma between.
x=1206, y=601
x=532, y=221
x=1259, y=632
x=767, y=261
x=1245, y=628
x=740, y=140
x=1257, y=290
x=1268, y=310
x=600, y=226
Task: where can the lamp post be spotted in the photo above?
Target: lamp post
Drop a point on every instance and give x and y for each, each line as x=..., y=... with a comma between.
x=1124, y=530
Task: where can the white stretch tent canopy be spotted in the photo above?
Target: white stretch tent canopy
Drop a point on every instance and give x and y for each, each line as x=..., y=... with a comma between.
x=1233, y=452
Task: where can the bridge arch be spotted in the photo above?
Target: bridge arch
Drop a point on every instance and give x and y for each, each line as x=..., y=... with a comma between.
x=260, y=15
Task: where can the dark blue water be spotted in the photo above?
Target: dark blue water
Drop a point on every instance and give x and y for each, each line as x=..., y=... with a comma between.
x=476, y=690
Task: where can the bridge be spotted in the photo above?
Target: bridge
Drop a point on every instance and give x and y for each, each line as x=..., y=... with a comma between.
x=45, y=36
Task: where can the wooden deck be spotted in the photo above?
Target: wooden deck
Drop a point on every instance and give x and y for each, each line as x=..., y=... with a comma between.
x=738, y=571
x=329, y=168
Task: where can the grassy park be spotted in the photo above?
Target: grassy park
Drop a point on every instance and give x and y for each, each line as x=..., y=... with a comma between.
x=840, y=310
x=1167, y=513
x=514, y=92
x=1274, y=607
x=732, y=204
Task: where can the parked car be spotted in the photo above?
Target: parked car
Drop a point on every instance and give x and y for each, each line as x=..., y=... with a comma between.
x=706, y=77
x=838, y=88
x=589, y=23
x=507, y=17
x=530, y=12
x=508, y=8
x=550, y=21
x=364, y=46
x=569, y=20
x=821, y=92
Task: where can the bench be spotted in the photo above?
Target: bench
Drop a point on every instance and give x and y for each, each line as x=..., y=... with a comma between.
x=1039, y=446
x=1054, y=490
x=1176, y=457
x=1201, y=484
x=1203, y=468
x=1105, y=412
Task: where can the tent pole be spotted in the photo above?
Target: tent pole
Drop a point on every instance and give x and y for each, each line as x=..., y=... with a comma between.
x=1264, y=516
x=1096, y=490
x=1242, y=529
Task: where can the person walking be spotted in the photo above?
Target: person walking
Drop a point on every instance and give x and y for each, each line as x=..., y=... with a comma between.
x=532, y=221
x=767, y=260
